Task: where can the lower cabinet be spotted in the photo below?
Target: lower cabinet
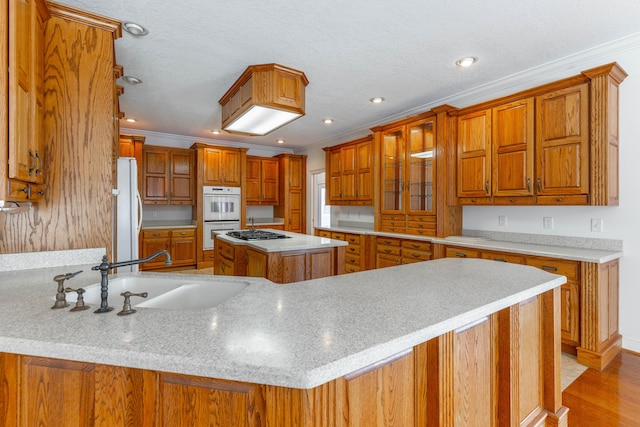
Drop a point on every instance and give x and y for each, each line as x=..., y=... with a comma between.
x=179, y=242
x=502, y=369
x=391, y=251
x=357, y=253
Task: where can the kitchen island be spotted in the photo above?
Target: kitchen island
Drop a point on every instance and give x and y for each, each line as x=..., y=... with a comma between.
x=443, y=342
x=293, y=258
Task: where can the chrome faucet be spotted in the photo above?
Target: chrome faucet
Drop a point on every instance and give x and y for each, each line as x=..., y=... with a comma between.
x=104, y=268
x=253, y=227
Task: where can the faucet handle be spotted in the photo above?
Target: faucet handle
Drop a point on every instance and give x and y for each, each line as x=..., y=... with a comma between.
x=80, y=306
x=61, y=296
x=126, y=308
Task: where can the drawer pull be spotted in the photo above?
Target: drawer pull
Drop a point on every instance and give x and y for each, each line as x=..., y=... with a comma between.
x=500, y=260
x=548, y=268
x=415, y=245
x=352, y=260
x=156, y=234
x=461, y=255
x=351, y=239
x=387, y=250
x=182, y=233
x=415, y=255
x=352, y=249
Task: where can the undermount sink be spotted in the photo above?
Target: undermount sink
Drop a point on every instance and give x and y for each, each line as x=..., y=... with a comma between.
x=174, y=293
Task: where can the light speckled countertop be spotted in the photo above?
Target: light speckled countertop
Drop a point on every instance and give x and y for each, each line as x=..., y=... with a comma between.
x=577, y=249
x=296, y=242
x=154, y=224
x=298, y=335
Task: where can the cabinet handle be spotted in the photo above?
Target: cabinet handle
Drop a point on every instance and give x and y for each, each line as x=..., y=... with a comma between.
x=38, y=168
x=27, y=190
x=352, y=260
x=486, y=187
x=33, y=160
x=511, y=200
x=156, y=234
x=182, y=233
x=461, y=255
x=500, y=260
x=415, y=255
x=529, y=185
x=549, y=268
x=558, y=199
x=539, y=185
x=415, y=245
x=387, y=250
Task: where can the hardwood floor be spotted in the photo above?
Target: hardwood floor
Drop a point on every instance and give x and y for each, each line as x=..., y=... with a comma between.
x=606, y=399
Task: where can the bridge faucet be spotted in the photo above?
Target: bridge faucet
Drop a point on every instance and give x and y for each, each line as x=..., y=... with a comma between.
x=104, y=268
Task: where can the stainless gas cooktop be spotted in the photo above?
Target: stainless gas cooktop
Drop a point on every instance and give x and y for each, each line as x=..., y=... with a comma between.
x=256, y=235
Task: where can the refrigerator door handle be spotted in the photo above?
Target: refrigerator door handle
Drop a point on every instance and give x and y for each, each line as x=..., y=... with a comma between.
x=139, y=200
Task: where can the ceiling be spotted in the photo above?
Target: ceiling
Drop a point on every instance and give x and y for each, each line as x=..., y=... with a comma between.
x=351, y=51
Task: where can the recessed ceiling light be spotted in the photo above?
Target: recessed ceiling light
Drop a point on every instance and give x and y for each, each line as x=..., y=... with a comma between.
x=327, y=121
x=377, y=99
x=134, y=29
x=215, y=132
x=132, y=80
x=131, y=120
x=466, y=61
x=280, y=141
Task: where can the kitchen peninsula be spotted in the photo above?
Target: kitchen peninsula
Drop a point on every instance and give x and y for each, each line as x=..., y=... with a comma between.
x=451, y=339
x=292, y=258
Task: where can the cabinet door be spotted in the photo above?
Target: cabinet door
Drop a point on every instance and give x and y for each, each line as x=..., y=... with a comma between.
x=348, y=172
x=364, y=173
x=295, y=212
x=154, y=241
x=335, y=176
x=270, y=181
x=212, y=158
x=562, y=145
x=182, y=177
x=252, y=187
x=392, y=171
x=474, y=154
x=155, y=176
x=231, y=168
x=513, y=148
x=183, y=247
x=421, y=160
x=296, y=173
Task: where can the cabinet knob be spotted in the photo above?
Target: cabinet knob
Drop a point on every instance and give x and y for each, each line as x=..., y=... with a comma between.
x=461, y=255
x=529, y=185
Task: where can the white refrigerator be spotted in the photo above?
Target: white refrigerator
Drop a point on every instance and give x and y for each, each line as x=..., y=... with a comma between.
x=128, y=213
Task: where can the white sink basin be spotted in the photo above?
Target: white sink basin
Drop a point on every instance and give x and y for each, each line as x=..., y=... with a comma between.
x=195, y=295
x=175, y=293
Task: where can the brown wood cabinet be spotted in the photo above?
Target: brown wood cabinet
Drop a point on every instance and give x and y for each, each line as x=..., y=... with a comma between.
x=168, y=176
x=262, y=185
x=292, y=192
x=357, y=254
x=221, y=165
x=22, y=174
x=349, y=168
x=391, y=251
x=552, y=145
x=179, y=242
x=500, y=369
x=589, y=301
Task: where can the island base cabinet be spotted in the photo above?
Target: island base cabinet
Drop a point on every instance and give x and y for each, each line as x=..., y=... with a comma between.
x=499, y=370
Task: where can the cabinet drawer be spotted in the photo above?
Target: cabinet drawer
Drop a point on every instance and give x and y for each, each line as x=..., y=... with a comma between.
x=388, y=241
x=183, y=233
x=392, y=217
x=461, y=253
x=155, y=234
x=352, y=259
x=388, y=249
x=497, y=256
x=323, y=233
x=352, y=239
x=411, y=255
x=337, y=236
x=351, y=268
x=571, y=269
x=417, y=245
x=208, y=255
x=353, y=250
x=393, y=229
x=225, y=249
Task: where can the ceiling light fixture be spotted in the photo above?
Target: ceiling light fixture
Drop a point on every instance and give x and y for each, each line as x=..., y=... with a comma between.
x=327, y=121
x=377, y=99
x=135, y=29
x=466, y=61
x=280, y=141
x=131, y=120
x=132, y=80
x=215, y=132
x=264, y=98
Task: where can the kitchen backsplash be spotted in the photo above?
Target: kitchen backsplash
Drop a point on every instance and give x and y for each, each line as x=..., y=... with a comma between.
x=166, y=213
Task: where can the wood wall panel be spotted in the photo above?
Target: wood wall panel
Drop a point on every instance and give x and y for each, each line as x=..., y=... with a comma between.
x=8, y=394
x=75, y=212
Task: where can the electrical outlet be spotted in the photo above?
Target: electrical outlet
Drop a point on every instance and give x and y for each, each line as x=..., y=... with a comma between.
x=502, y=221
x=547, y=222
x=597, y=225
x=155, y=214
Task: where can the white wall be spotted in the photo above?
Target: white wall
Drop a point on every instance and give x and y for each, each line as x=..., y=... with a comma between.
x=621, y=222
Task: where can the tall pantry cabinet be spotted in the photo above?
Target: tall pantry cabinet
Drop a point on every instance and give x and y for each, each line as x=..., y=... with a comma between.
x=292, y=194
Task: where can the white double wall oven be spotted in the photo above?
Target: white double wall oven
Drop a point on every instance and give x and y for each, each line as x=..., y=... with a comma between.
x=221, y=213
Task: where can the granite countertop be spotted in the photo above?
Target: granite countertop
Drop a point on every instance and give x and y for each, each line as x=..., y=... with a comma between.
x=296, y=242
x=266, y=221
x=298, y=335
x=155, y=224
x=563, y=247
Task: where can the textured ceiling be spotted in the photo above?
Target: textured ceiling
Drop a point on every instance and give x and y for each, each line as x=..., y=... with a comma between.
x=402, y=50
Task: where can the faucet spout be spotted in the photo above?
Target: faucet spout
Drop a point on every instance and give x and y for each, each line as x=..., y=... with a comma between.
x=104, y=268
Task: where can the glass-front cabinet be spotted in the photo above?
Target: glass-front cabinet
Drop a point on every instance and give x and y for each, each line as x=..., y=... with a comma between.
x=408, y=177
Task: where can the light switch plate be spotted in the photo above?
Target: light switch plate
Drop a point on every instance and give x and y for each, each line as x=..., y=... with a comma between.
x=502, y=221
x=547, y=222
x=597, y=225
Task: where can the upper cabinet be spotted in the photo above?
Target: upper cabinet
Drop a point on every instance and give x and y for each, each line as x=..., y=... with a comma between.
x=291, y=207
x=262, y=180
x=552, y=145
x=349, y=168
x=168, y=176
x=414, y=175
x=23, y=142
x=221, y=165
